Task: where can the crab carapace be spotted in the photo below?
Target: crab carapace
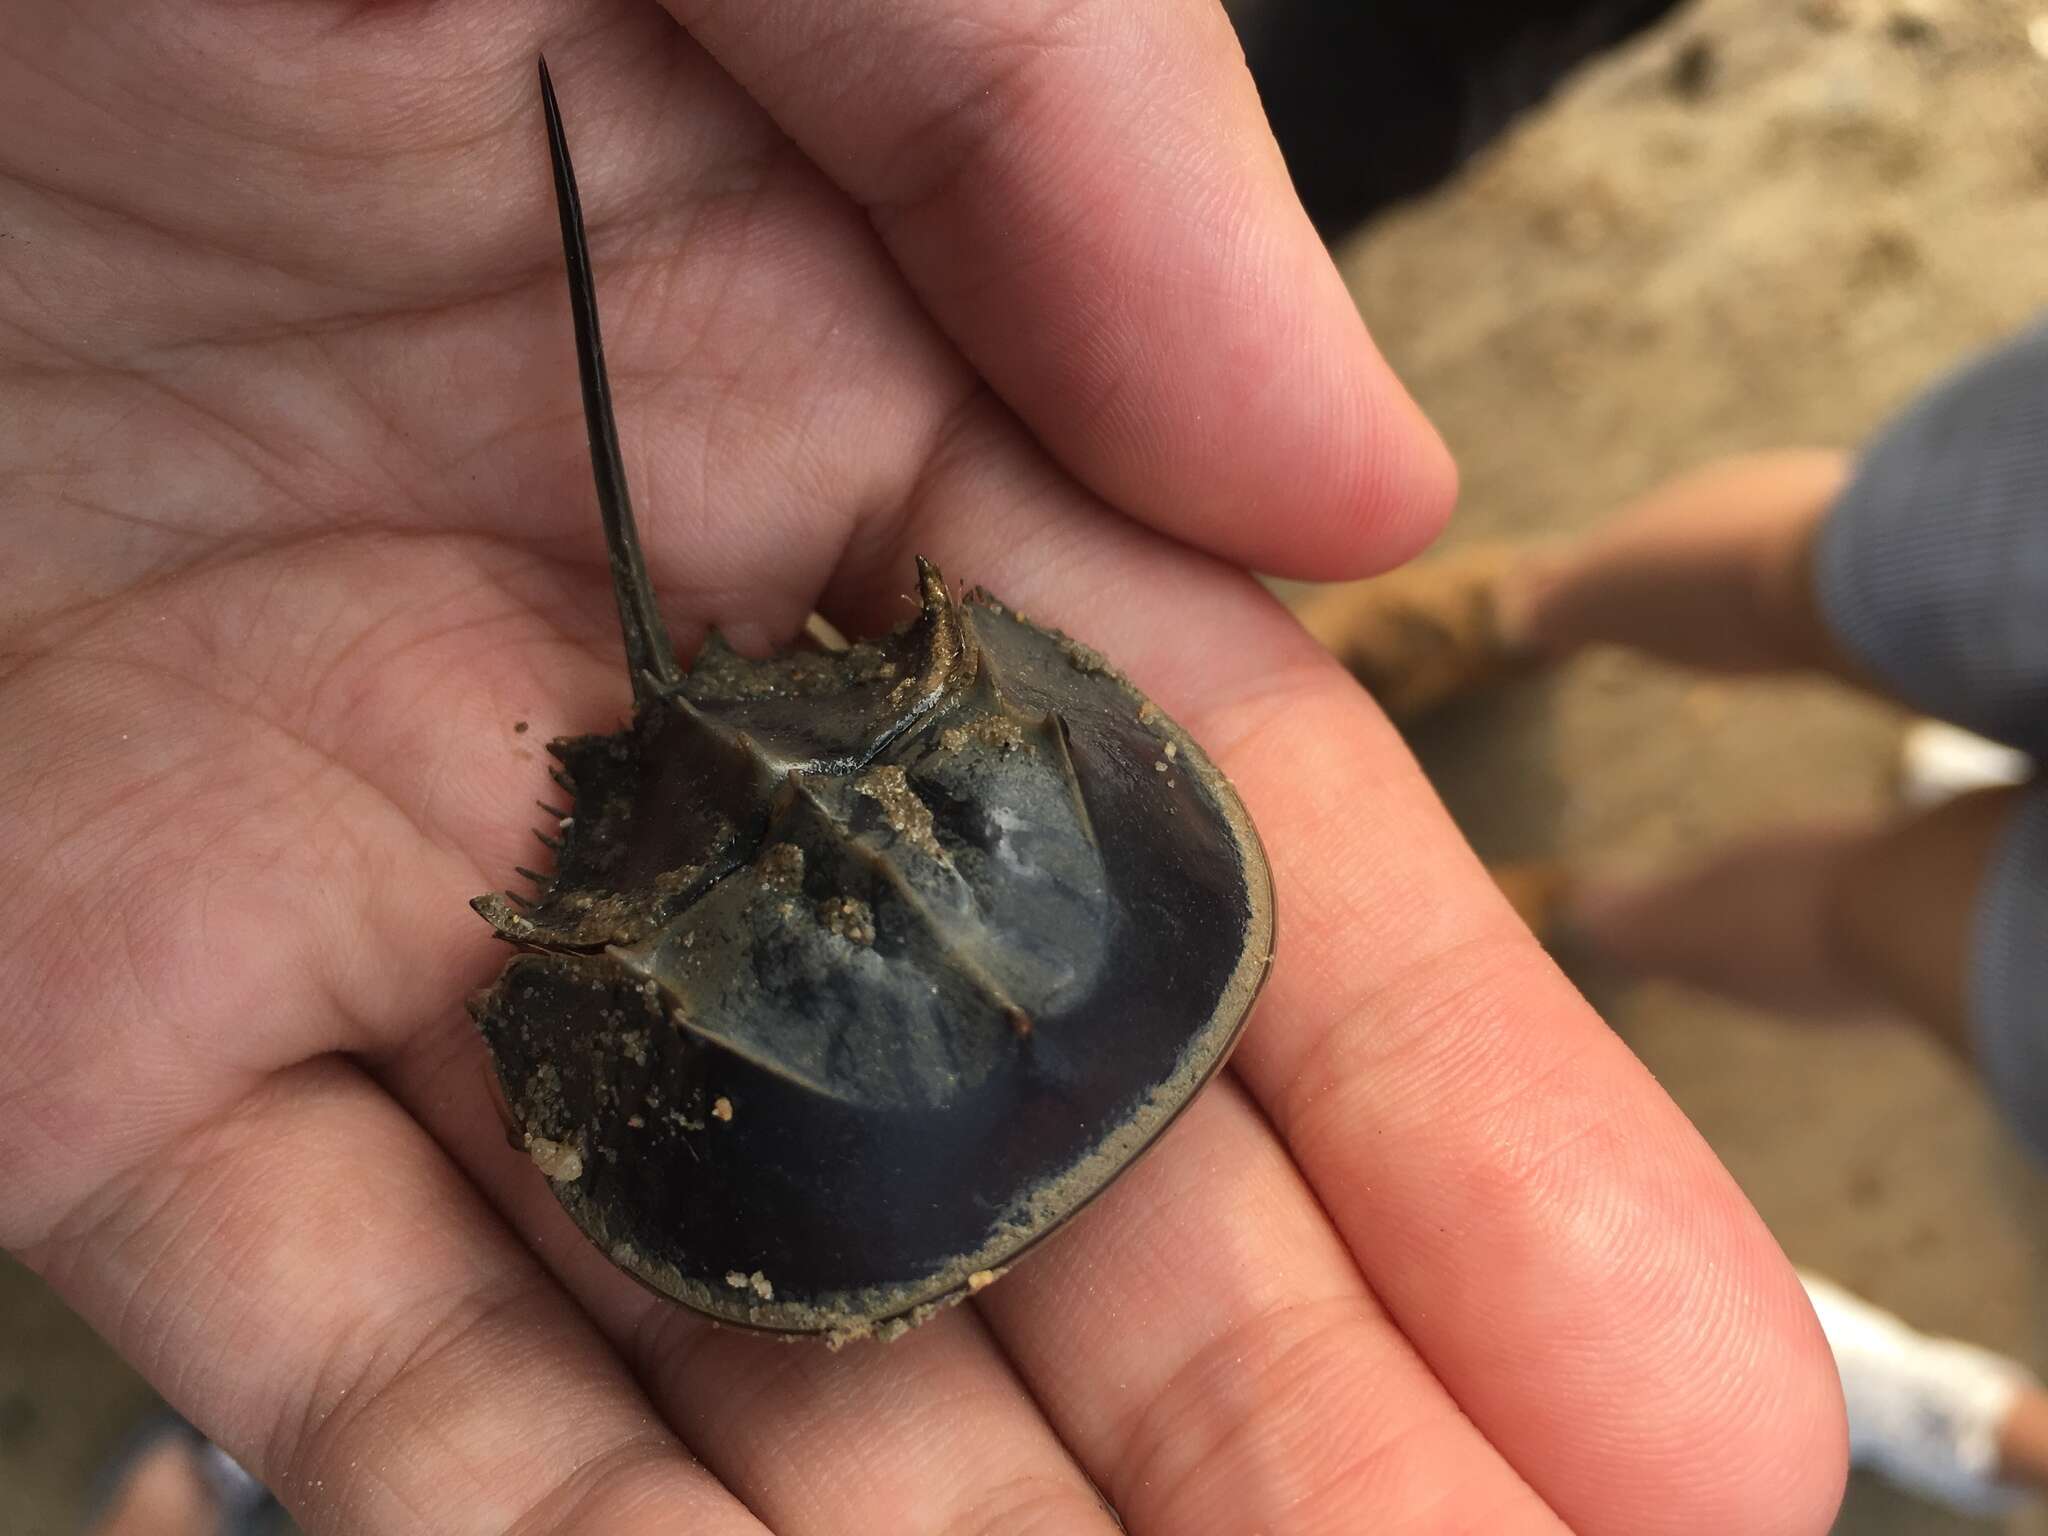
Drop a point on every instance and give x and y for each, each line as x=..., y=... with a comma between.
x=860, y=969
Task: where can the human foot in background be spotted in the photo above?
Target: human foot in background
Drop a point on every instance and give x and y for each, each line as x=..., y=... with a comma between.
x=1427, y=633
x=1956, y=1424
x=1939, y=761
x=1539, y=890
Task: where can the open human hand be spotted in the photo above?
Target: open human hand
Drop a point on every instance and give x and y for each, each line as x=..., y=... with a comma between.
x=298, y=523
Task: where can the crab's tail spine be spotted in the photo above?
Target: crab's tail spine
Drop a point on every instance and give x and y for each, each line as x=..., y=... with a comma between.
x=650, y=658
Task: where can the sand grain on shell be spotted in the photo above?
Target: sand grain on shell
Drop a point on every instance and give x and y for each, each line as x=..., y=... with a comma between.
x=558, y=1160
x=909, y=817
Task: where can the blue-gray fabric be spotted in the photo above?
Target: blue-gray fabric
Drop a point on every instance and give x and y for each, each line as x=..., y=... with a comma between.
x=2009, y=973
x=1932, y=569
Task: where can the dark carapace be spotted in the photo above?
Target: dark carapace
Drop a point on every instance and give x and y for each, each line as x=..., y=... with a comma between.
x=861, y=969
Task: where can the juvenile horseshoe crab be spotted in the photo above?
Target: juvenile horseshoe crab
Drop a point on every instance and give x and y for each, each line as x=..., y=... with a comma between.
x=860, y=970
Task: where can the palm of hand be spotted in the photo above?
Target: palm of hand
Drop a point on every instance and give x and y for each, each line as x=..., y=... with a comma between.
x=302, y=526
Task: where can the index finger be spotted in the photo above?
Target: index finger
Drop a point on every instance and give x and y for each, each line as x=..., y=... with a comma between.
x=1085, y=195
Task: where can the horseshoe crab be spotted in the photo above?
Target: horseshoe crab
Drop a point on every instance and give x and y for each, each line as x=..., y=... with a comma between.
x=860, y=969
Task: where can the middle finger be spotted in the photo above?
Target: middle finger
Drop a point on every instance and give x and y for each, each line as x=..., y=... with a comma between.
x=1204, y=1342
x=1203, y=1339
